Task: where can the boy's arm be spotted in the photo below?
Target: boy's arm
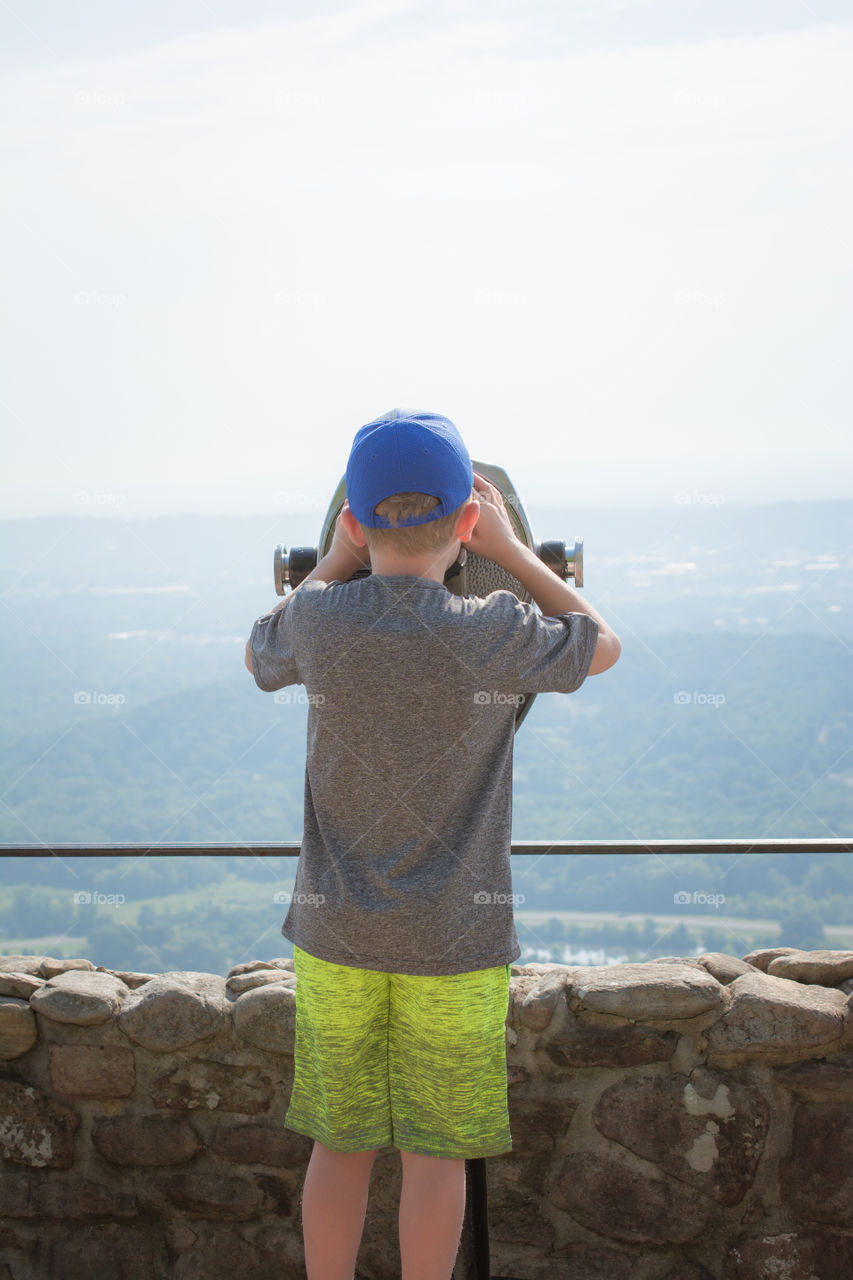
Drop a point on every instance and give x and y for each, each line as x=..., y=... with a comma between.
x=495, y=538
x=554, y=596
x=340, y=562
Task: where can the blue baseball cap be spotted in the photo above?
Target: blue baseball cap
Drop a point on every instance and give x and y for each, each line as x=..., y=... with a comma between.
x=404, y=451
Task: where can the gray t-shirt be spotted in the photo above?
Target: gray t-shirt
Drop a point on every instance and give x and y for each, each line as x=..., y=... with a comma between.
x=405, y=858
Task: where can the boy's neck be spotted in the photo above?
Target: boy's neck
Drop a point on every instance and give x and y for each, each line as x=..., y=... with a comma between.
x=433, y=565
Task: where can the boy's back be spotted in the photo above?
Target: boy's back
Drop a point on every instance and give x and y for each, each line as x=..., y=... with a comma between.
x=405, y=862
x=402, y=916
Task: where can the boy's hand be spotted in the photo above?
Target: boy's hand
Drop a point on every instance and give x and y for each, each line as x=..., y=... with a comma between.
x=344, y=548
x=493, y=532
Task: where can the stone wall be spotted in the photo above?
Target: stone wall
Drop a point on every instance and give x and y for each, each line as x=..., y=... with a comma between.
x=682, y=1119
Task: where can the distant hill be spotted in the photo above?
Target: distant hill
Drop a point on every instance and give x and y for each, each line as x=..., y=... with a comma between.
x=687, y=736
x=730, y=713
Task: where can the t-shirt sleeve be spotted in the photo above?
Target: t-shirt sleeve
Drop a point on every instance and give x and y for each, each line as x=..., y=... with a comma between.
x=271, y=649
x=533, y=653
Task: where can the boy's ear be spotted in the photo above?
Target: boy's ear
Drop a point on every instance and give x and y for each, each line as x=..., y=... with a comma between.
x=468, y=517
x=352, y=526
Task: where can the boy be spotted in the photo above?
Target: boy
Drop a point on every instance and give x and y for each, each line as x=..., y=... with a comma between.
x=401, y=917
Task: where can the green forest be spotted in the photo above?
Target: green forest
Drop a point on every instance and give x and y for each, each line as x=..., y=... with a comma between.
x=760, y=746
x=207, y=914
x=128, y=716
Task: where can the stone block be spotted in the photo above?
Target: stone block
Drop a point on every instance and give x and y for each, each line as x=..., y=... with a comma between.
x=577, y=1045
x=79, y=996
x=614, y=1199
x=538, y=1124
x=238, y=983
x=21, y=964
x=260, y=1144
x=21, y=985
x=684, y=1270
x=79, y=1198
x=18, y=1027
x=92, y=1070
x=218, y=1251
x=516, y=1217
x=130, y=978
x=705, y=1130
x=214, y=1086
x=35, y=1130
x=174, y=1010
x=520, y=1172
x=774, y=1020
x=144, y=1140
x=827, y=1080
x=537, y=1007
x=266, y=1018
x=533, y=967
x=646, y=992
x=574, y=1262
x=826, y=968
x=284, y=963
x=281, y=1252
x=221, y=1197
x=761, y=958
x=108, y=1251
x=790, y=1256
x=275, y=1193
x=50, y=968
x=723, y=967
x=17, y=1196
x=816, y=1178
x=11, y=1238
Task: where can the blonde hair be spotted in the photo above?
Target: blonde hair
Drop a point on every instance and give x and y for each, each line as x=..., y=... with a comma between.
x=413, y=539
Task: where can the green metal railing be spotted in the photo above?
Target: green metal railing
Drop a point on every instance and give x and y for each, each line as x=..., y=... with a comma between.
x=520, y=848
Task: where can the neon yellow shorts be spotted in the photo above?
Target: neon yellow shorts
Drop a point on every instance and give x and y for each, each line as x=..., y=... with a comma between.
x=396, y=1059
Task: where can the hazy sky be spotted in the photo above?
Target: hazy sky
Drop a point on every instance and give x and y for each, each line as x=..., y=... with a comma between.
x=610, y=240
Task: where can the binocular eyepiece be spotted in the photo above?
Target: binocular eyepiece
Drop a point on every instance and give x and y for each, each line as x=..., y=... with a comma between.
x=292, y=565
